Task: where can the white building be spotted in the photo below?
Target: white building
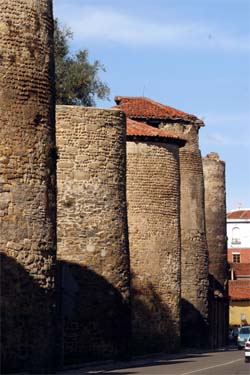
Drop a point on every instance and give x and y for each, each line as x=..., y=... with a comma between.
x=238, y=234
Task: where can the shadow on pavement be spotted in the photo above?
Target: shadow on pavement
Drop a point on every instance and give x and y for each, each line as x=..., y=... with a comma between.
x=149, y=361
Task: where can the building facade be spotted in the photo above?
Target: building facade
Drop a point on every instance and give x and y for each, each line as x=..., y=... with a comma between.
x=238, y=233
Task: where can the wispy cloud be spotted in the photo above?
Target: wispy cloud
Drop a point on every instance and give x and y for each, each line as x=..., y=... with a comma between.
x=224, y=140
x=226, y=129
x=228, y=119
x=110, y=25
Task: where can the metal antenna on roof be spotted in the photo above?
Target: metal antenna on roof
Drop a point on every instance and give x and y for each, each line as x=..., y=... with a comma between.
x=143, y=91
x=239, y=205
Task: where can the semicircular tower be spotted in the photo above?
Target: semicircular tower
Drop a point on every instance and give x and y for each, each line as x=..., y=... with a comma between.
x=27, y=186
x=92, y=232
x=194, y=251
x=215, y=209
x=153, y=195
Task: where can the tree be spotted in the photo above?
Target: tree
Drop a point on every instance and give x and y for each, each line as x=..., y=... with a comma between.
x=77, y=80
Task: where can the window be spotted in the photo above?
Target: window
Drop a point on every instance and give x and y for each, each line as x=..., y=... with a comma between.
x=236, y=257
x=236, y=235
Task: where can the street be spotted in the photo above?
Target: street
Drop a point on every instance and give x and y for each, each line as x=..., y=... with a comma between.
x=229, y=362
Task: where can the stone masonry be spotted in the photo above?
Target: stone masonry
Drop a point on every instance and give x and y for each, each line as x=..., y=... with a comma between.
x=153, y=194
x=215, y=208
x=27, y=186
x=194, y=252
x=215, y=203
x=92, y=232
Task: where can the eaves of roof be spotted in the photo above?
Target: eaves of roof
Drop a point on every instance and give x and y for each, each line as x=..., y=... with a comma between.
x=141, y=131
x=239, y=214
x=144, y=109
x=239, y=289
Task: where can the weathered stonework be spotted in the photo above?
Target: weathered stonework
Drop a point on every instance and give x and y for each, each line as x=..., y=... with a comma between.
x=194, y=251
x=27, y=186
x=215, y=208
x=153, y=194
x=92, y=232
x=215, y=204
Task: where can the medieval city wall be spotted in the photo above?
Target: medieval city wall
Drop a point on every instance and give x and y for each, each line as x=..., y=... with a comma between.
x=194, y=251
x=154, y=238
x=215, y=205
x=215, y=209
x=92, y=232
x=27, y=186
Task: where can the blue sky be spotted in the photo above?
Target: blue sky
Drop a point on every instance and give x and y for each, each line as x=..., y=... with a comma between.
x=193, y=55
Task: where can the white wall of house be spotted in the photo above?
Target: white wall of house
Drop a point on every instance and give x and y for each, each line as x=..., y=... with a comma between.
x=238, y=233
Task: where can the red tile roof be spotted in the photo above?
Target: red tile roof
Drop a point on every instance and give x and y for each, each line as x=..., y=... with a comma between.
x=239, y=214
x=136, y=128
x=141, y=107
x=241, y=269
x=239, y=289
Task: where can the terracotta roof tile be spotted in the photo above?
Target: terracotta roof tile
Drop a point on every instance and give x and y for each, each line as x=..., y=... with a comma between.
x=141, y=107
x=239, y=214
x=136, y=128
x=241, y=269
x=239, y=289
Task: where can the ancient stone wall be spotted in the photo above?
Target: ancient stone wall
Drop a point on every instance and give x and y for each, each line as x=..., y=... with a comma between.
x=27, y=186
x=92, y=232
x=215, y=208
x=194, y=251
x=154, y=238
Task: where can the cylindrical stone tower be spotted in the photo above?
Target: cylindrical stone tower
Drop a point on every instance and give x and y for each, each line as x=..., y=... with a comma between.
x=215, y=208
x=92, y=232
x=194, y=251
x=215, y=204
x=27, y=186
x=153, y=194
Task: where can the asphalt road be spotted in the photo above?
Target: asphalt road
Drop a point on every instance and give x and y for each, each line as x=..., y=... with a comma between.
x=229, y=362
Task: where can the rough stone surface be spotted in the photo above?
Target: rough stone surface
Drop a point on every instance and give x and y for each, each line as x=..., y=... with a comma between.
x=215, y=209
x=27, y=185
x=92, y=232
x=194, y=251
x=153, y=194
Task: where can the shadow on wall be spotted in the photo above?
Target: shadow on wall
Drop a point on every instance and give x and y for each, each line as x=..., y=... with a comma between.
x=154, y=329
x=96, y=320
x=215, y=285
x=218, y=303
x=194, y=328
x=96, y=317
x=27, y=328
x=92, y=321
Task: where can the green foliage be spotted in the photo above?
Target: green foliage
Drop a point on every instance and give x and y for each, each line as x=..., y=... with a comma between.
x=77, y=81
